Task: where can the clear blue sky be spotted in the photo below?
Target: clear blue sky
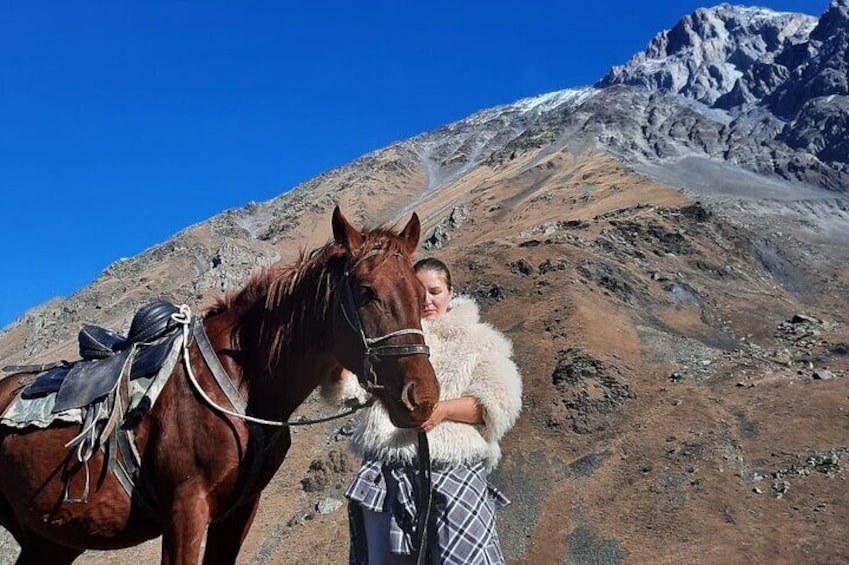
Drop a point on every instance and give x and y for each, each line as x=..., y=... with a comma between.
x=122, y=123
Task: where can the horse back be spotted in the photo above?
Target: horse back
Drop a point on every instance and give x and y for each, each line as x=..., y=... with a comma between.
x=11, y=386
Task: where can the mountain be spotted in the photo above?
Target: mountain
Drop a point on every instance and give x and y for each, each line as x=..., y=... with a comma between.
x=777, y=81
x=667, y=250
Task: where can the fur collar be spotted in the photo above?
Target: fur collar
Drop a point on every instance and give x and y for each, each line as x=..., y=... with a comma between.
x=462, y=311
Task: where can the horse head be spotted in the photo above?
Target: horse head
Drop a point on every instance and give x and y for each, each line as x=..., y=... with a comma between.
x=377, y=321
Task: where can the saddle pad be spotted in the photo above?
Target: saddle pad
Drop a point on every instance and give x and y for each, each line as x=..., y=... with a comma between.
x=39, y=412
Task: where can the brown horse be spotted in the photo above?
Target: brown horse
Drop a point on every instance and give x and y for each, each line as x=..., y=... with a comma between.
x=277, y=339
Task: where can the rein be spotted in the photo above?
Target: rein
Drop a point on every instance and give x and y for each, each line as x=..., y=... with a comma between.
x=373, y=351
x=425, y=498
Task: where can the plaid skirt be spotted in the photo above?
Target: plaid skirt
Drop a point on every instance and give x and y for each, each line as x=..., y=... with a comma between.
x=462, y=516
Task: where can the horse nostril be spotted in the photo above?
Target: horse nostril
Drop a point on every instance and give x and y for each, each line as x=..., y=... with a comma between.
x=407, y=396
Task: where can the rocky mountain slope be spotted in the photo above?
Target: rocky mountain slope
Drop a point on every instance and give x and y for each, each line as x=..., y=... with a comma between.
x=779, y=79
x=667, y=250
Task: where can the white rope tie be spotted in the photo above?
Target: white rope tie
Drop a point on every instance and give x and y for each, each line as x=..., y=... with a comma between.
x=84, y=442
x=81, y=438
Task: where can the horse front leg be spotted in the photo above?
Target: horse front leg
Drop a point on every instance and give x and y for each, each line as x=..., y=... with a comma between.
x=224, y=539
x=183, y=535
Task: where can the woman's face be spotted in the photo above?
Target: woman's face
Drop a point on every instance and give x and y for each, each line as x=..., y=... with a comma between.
x=437, y=294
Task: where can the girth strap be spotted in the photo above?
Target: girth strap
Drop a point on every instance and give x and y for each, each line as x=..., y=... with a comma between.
x=128, y=473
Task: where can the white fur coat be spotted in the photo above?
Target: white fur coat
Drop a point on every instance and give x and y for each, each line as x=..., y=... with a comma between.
x=470, y=358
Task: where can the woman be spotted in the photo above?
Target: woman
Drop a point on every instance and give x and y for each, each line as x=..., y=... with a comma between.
x=480, y=399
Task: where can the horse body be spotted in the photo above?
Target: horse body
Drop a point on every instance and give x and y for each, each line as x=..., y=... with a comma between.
x=194, y=484
x=202, y=470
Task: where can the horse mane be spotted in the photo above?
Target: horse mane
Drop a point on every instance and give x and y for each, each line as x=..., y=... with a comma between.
x=277, y=304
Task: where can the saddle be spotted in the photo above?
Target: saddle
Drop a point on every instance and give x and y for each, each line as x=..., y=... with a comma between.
x=107, y=393
x=106, y=357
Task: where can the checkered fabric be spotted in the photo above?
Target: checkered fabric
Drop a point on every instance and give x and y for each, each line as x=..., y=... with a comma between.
x=462, y=516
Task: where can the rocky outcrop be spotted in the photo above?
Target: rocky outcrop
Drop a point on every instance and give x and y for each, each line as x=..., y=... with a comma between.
x=724, y=56
x=781, y=78
x=823, y=70
x=815, y=97
x=441, y=233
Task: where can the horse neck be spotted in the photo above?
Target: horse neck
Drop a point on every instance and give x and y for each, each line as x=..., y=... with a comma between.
x=282, y=361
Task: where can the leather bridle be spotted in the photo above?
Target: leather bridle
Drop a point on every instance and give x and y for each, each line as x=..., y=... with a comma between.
x=372, y=350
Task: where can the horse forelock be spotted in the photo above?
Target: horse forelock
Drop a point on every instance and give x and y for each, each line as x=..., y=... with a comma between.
x=384, y=239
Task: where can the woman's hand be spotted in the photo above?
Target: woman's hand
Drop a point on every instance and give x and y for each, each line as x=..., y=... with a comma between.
x=464, y=409
x=437, y=416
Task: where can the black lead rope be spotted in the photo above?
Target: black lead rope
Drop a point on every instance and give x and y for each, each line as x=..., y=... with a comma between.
x=425, y=498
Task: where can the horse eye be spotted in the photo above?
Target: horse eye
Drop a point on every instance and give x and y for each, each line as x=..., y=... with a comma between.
x=367, y=294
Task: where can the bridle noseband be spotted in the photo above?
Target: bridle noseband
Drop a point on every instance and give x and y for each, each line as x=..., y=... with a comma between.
x=371, y=350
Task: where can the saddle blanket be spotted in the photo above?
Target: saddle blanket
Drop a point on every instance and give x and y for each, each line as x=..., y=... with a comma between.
x=38, y=412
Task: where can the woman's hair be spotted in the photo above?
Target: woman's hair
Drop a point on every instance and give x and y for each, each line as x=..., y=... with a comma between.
x=431, y=264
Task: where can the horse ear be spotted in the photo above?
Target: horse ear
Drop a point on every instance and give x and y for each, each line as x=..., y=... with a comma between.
x=410, y=234
x=344, y=233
